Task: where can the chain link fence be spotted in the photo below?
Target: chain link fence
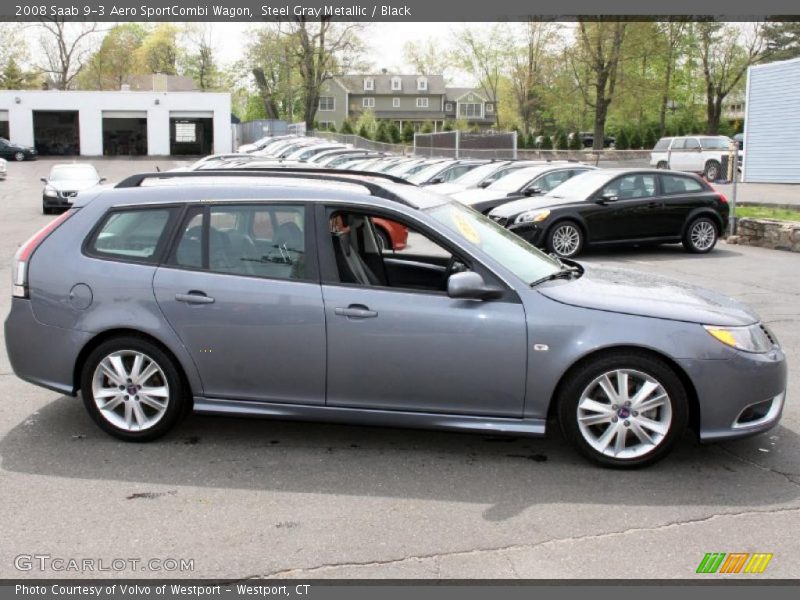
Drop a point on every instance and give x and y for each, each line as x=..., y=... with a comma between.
x=362, y=143
x=463, y=144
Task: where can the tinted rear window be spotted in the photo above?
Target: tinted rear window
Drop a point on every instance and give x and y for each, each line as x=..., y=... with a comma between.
x=662, y=144
x=132, y=234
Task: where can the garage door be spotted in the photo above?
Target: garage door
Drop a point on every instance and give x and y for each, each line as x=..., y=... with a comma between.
x=4, y=124
x=124, y=132
x=191, y=114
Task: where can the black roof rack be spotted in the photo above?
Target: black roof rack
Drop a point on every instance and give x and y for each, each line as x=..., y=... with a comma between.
x=374, y=188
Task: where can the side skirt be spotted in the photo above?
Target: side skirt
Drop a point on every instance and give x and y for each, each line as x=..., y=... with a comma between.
x=380, y=418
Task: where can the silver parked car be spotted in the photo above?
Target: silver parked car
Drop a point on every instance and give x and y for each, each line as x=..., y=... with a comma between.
x=267, y=294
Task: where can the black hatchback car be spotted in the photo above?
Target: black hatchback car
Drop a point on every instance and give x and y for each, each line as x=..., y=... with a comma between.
x=16, y=152
x=620, y=206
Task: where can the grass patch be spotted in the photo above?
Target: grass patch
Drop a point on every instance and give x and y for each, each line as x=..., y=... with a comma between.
x=768, y=212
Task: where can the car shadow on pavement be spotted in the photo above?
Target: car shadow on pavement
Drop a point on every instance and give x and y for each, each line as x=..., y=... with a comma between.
x=508, y=474
x=656, y=253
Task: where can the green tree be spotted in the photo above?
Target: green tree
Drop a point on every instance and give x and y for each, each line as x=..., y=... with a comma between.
x=408, y=133
x=561, y=142
x=650, y=139
x=254, y=109
x=116, y=58
x=382, y=134
x=367, y=122
x=575, y=142
x=530, y=140
x=635, y=140
x=782, y=40
x=364, y=132
x=622, y=142
x=346, y=128
x=427, y=127
x=394, y=133
x=159, y=52
x=448, y=126
x=199, y=61
x=547, y=143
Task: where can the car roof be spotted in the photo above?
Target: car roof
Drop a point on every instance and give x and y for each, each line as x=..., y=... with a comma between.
x=218, y=187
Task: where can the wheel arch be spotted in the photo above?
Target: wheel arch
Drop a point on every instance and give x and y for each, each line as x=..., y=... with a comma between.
x=691, y=391
x=125, y=332
x=575, y=218
x=703, y=212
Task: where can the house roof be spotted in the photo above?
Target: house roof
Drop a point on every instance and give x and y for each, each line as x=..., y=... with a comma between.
x=383, y=84
x=455, y=93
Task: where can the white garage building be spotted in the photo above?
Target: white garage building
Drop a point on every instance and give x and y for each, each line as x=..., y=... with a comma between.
x=117, y=123
x=772, y=123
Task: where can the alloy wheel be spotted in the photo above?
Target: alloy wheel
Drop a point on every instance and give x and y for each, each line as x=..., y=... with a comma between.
x=566, y=240
x=19, y=156
x=624, y=414
x=130, y=390
x=703, y=235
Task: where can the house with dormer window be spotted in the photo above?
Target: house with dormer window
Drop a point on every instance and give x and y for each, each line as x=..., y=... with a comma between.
x=415, y=99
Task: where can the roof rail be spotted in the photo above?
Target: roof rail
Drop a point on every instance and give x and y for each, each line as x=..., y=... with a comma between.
x=374, y=188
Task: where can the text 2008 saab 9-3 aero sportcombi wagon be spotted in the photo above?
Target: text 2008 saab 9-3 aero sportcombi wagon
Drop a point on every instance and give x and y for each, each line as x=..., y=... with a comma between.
x=269, y=294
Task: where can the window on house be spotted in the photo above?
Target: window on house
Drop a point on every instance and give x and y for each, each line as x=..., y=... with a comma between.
x=327, y=125
x=396, y=83
x=469, y=109
x=369, y=84
x=422, y=103
x=395, y=102
x=368, y=102
x=448, y=106
x=489, y=108
x=422, y=84
x=327, y=103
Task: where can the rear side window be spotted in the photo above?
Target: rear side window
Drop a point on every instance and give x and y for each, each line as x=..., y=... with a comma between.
x=662, y=144
x=676, y=184
x=134, y=234
x=254, y=240
x=691, y=144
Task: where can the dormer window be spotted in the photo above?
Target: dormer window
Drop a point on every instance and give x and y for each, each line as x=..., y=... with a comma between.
x=422, y=84
x=397, y=83
x=369, y=84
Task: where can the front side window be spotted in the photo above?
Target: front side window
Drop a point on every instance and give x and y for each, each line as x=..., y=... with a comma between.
x=631, y=187
x=662, y=144
x=132, y=234
x=326, y=103
x=254, y=240
x=691, y=144
x=551, y=180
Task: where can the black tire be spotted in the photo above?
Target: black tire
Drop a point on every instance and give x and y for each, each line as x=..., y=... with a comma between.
x=46, y=210
x=713, y=170
x=177, y=401
x=701, y=235
x=662, y=165
x=582, y=377
x=558, y=234
x=384, y=241
x=19, y=156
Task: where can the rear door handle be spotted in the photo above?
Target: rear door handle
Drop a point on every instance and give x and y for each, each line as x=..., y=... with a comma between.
x=194, y=297
x=356, y=311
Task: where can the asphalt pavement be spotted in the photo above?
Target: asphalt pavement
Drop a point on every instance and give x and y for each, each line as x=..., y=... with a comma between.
x=246, y=498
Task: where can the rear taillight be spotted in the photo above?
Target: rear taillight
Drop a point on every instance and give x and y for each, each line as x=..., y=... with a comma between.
x=19, y=266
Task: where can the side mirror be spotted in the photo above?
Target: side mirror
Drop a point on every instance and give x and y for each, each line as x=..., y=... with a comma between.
x=607, y=197
x=102, y=179
x=43, y=179
x=485, y=184
x=436, y=180
x=469, y=285
x=533, y=191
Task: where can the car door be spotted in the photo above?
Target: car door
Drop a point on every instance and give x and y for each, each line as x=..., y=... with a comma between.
x=241, y=290
x=691, y=157
x=680, y=196
x=630, y=206
x=396, y=347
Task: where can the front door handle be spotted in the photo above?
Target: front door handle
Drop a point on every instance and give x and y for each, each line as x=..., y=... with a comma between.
x=194, y=297
x=356, y=311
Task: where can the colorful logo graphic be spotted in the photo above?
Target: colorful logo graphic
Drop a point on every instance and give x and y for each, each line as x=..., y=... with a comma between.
x=735, y=562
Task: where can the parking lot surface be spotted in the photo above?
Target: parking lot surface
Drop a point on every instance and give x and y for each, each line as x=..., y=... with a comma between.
x=254, y=498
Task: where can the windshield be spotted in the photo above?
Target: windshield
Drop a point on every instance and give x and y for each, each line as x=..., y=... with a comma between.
x=515, y=180
x=508, y=249
x=424, y=174
x=478, y=174
x=582, y=186
x=72, y=173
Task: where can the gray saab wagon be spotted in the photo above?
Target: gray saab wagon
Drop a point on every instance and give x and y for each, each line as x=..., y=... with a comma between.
x=267, y=294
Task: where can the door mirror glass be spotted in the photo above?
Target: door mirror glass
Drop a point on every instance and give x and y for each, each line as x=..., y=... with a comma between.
x=470, y=286
x=43, y=179
x=608, y=197
x=485, y=184
x=534, y=190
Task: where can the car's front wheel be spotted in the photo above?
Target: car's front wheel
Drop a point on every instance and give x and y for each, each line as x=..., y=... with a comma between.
x=701, y=236
x=133, y=389
x=662, y=164
x=565, y=239
x=713, y=170
x=19, y=156
x=623, y=409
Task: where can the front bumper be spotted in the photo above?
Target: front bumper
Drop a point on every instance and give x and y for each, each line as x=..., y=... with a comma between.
x=740, y=396
x=57, y=201
x=530, y=232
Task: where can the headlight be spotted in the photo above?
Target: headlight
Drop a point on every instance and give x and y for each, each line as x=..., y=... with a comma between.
x=532, y=216
x=50, y=192
x=753, y=338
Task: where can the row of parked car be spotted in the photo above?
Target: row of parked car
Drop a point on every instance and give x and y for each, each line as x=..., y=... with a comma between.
x=561, y=206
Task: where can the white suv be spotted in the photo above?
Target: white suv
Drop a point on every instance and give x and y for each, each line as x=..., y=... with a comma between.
x=696, y=154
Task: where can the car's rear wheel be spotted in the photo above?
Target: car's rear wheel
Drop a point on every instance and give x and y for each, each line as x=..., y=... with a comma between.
x=133, y=389
x=565, y=239
x=713, y=170
x=19, y=156
x=662, y=164
x=623, y=410
x=701, y=236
